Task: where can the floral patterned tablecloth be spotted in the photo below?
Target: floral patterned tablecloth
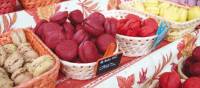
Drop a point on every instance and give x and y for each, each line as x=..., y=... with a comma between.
x=133, y=72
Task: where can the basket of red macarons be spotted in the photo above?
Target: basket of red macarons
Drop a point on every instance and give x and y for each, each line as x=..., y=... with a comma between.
x=79, y=42
x=136, y=33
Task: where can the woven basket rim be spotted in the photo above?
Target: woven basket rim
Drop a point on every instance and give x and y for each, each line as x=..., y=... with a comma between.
x=125, y=11
x=136, y=38
x=77, y=64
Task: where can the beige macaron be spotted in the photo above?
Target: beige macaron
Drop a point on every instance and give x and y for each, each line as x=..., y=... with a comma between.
x=5, y=81
x=10, y=48
x=41, y=65
x=28, y=52
x=21, y=75
x=18, y=37
x=3, y=56
x=24, y=47
x=14, y=62
x=3, y=73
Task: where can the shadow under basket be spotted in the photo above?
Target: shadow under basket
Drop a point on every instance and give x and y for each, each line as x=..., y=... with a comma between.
x=47, y=79
x=29, y=4
x=7, y=6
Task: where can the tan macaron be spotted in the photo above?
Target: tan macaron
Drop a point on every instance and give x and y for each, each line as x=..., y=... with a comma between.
x=28, y=52
x=24, y=47
x=41, y=65
x=6, y=83
x=21, y=75
x=22, y=36
x=3, y=73
x=10, y=48
x=18, y=37
x=13, y=62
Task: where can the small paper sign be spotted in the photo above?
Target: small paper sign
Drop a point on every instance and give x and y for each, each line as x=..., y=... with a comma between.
x=161, y=33
x=108, y=63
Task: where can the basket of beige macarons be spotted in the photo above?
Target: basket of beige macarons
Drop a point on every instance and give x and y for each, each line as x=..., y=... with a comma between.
x=25, y=62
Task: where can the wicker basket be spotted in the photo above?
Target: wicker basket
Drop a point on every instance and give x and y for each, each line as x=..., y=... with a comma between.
x=7, y=6
x=176, y=30
x=46, y=80
x=131, y=46
x=28, y=4
x=80, y=71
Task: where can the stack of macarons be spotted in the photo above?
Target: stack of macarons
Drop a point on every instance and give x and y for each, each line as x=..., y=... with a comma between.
x=19, y=62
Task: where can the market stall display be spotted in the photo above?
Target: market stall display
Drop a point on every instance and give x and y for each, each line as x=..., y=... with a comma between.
x=25, y=61
x=182, y=19
x=88, y=40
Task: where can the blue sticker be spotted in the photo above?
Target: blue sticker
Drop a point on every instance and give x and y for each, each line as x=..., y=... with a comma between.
x=161, y=33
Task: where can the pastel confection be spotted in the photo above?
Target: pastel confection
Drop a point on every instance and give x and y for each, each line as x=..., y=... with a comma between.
x=171, y=13
x=169, y=80
x=103, y=41
x=76, y=17
x=163, y=7
x=59, y=17
x=183, y=2
x=14, y=62
x=94, y=24
x=3, y=73
x=192, y=2
x=152, y=3
x=183, y=14
x=41, y=65
x=28, y=52
x=88, y=52
x=5, y=81
x=3, y=56
x=24, y=47
x=175, y=1
x=22, y=36
x=15, y=38
x=80, y=36
x=68, y=30
x=21, y=75
x=10, y=48
x=192, y=82
x=18, y=37
x=110, y=26
x=194, y=13
x=198, y=3
x=139, y=6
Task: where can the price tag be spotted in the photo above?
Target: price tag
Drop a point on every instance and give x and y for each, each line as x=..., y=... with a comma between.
x=108, y=63
x=161, y=33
